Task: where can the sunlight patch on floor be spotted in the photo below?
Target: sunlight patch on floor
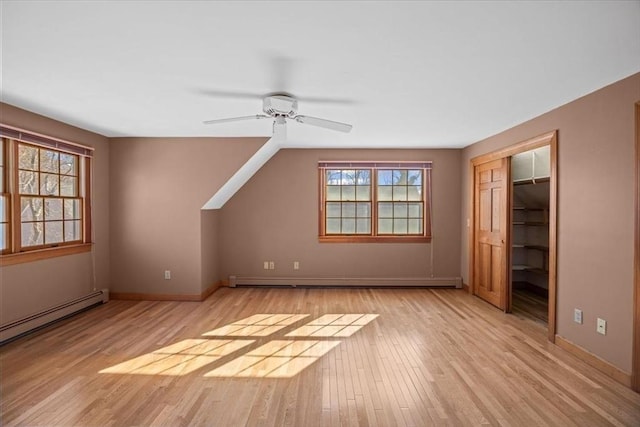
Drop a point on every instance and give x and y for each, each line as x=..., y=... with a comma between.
x=277, y=358
x=180, y=358
x=333, y=325
x=258, y=325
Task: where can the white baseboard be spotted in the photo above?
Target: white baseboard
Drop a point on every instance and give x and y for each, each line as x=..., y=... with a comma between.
x=435, y=282
x=11, y=330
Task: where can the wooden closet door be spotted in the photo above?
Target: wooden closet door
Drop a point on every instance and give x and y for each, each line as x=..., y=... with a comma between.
x=491, y=219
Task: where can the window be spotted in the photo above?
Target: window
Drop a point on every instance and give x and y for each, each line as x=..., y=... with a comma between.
x=48, y=192
x=381, y=201
x=4, y=201
x=44, y=202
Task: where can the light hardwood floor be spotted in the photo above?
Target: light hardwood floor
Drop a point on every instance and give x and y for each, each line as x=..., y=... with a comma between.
x=304, y=357
x=527, y=303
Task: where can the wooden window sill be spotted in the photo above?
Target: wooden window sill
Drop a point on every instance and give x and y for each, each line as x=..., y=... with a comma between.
x=40, y=254
x=374, y=239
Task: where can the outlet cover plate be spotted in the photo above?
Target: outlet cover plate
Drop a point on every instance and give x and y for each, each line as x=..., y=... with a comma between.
x=601, y=326
x=577, y=316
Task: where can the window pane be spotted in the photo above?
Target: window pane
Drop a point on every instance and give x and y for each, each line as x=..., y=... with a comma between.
x=68, y=186
x=27, y=157
x=333, y=210
x=52, y=210
x=333, y=192
x=400, y=226
x=3, y=208
x=385, y=210
x=414, y=192
x=385, y=226
x=4, y=243
x=68, y=164
x=349, y=226
x=49, y=161
x=72, y=231
x=414, y=177
x=363, y=177
x=348, y=177
x=53, y=232
x=385, y=177
x=31, y=209
x=363, y=226
x=72, y=209
x=363, y=192
x=400, y=210
x=32, y=234
x=49, y=184
x=400, y=193
x=400, y=177
x=348, y=192
x=333, y=226
x=415, y=226
x=333, y=177
x=415, y=210
x=349, y=210
x=28, y=182
x=384, y=193
x=363, y=210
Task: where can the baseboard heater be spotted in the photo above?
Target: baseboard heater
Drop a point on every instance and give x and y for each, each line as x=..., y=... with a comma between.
x=429, y=282
x=18, y=328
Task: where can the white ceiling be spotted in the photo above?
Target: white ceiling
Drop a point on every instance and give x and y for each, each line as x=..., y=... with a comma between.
x=405, y=74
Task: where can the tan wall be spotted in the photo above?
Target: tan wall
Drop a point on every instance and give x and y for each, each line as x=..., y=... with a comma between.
x=595, y=213
x=30, y=288
x=274, y=217
x=158, y=186
x=209, y=248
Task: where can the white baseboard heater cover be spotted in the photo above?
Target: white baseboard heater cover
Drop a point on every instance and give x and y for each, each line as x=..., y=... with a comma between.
x=435, y=282
x=27, y=324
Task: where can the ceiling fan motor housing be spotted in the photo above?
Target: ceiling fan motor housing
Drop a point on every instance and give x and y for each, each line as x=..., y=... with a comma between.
x=280, y=105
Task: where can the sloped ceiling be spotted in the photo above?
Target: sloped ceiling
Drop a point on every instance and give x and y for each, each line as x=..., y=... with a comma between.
x=405, y=74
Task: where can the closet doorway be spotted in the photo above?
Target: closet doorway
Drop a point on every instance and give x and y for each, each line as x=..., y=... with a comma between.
x=530, y=195
x=512, y=244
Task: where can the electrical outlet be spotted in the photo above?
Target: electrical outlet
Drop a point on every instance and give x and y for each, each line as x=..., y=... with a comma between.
x=167, y=275
x=272, y=265
x=296, y=265
x=577, y=315
x=266, y=265
x=601, y=326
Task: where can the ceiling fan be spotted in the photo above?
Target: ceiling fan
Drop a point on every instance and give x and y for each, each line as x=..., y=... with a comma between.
x=282, y=106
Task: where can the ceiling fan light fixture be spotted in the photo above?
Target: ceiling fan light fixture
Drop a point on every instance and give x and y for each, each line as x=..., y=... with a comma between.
x=276, y=105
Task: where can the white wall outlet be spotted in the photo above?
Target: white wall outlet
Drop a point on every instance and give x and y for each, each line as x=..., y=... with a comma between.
x=167, y=275
x=296, y=265
x=266, y=265
x=272, y=265
x=601, y=326
x=577, y=315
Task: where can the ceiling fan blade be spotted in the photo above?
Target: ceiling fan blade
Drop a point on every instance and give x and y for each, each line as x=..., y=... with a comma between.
x=324, y=123
x=235, y=119
x=235, y=94
x=326, y=100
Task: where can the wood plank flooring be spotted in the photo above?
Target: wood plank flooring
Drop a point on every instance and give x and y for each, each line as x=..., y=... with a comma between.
x=527, y=303
x=304, y=357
